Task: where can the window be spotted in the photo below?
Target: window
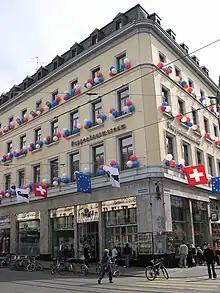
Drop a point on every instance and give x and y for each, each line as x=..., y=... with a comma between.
x=215, y=128
x=162, y=57
x=123, y=97
x=38, y=135
x=36, y=174
x=165, y=94
x=194, y=116
x=202, y=93
x=7, y=181
x=206, y=125
x=73, y=83
x=21, y=178
x=191, y=83
x=39, y=75
x=126, y=150
x=22, y=141
x=119, y=61
x=218, y=168
x=186, y=154
x=177, y=71
x=95, y=72
x=181, y=106
x=118, y=24
x=54, y=94
x=54, y=127
x=96, y=109
x=55, y=65
x=0, y=125
x=9, y=147
x=73, y=53
x=94, y=39
x=54, y=169
x=74, y=165
x=210, y=166
x=23, y=113
x=74, y=119
x=10, y=119
x=98, y=158
x=199, y=157
x=38, y=105
x=170, y=145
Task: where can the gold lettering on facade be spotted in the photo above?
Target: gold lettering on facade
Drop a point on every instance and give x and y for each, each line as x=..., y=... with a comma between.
x=98, y=135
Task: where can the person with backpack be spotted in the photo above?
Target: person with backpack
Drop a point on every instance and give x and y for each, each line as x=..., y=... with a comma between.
x=105, y=267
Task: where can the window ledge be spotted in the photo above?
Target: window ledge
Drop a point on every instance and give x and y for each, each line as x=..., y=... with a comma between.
x=7, y=162
x=167, y=114
x=218, y=146
x=123, y=116
x=197, y=133
x=52, y=143
x=95, y=127
x=209, y=140
x=37, y=150
x=73, y=135
x=184, y=125
x=20, y=157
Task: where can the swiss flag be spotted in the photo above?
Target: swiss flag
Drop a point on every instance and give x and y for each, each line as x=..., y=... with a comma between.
x=196, y=175
x=39, y=190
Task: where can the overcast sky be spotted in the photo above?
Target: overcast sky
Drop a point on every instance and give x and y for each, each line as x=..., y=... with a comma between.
x=45, y=28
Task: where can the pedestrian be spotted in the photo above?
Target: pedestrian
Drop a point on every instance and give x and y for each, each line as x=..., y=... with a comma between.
x=183, y=255
x=200, y=257
x=127, y=253
x=210, y=260
x=190, y=257
x=86, y=254
x=60, y=251
x=105, y=267
x=115, y=254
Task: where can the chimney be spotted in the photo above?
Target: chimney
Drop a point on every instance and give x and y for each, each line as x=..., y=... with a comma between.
x=155, y=18
x=205, y=70
x=195, y=59
x=184, y=47
x=171, y=33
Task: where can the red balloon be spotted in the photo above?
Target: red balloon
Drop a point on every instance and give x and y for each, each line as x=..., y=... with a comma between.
x=188, y=119
x=30, y=149
x=190, y=90
x=111, y=110
x=133, y=158
x=41, y=110
x=77, y=92
x=185, y=86
x=45, y=185
x=12, y=126
x=112, y=163
x=217, y=142
x=65, y=99
x=129, y=103
x=111, y=74
x=160, y=65
x=128, y=65
x=99, y=74
x=207, y=135
x=58, y=134
x=48, y=137
x=86, y=126
x=26, y=119
x=64, y=135
x=58, y=99
x=101, y=167
x=172, y=163
x=98, y=116
x=169, y=70
x=89, y=81
x=179, y=116
x=4, y=157
x=163, y=108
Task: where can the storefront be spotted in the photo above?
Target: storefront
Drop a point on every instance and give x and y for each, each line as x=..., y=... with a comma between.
x=28, y=240
x=4, y=235
x=62, y=223
x=215, y=219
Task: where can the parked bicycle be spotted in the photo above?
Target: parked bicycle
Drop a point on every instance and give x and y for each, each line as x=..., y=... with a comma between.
x=62, y=267
x=153, y=270
x=34, y=265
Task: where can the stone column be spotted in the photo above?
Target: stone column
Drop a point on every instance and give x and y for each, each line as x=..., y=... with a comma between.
x=210, y=224
x=45, y=234
x=13, y=234
x=191, y=222
x=101, y=230
x=75, y=240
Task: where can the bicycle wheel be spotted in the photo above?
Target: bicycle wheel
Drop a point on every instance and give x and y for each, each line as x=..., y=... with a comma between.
x=31, y=267
x=165, y=273
x=150, y=273
x=61, y=269
x=39, y=266
x=53, y=270
x=116, y=273
x=71, y=268
x=84, y=270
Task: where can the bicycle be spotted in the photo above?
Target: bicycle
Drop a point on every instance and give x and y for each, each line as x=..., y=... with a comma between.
x=61, y=267
x=152, y=271
x=114, y=268
x=84, y=269
x=34, y=265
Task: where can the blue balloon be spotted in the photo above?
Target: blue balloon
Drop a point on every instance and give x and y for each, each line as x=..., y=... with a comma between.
x=101, y=172
x=111, y=67
x=167, y=163
x=183, y=82
x=131, y=108
x=25, y=151
x=22, y=120
x=88, y=173
x=189, y=124
x=49, y=105
x=46, y=142
x=85, y=85
x=116, y=166
x=55, y=103
x=89, y=123
x=12, y=192
x=32, y=145
x=179, y=166
x=68, y=95
x=103, y=116
x=10, y=155
x=170, y=67
x=40, y=142
x=115, y=113
x=164, y=103
x=16, y=155
x=75, y=130
x=66, y=180
x=101, y=79
x=136, y=164
x=30, y=186
x=67, y=132
x=58, y=180
x=122, y=66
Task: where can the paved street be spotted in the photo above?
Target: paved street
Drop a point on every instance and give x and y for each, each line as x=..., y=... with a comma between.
x=43, y=282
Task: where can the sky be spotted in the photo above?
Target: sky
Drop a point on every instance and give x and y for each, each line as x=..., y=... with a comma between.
x=46, y=28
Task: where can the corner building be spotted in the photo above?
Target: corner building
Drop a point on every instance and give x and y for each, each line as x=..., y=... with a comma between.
x=155, y=209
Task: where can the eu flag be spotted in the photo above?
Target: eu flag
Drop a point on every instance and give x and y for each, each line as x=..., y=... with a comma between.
x=216, y=185
x=83, y=183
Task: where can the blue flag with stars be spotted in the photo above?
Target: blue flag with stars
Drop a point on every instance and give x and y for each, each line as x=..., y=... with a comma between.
x=216, y=185
x=83, y=183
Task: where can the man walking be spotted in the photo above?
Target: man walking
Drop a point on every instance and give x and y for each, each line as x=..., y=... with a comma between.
x=183, y=255
x=210, y=260
x=105, y=267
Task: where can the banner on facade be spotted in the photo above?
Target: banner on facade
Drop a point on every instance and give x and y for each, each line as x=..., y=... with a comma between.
x=22, y=195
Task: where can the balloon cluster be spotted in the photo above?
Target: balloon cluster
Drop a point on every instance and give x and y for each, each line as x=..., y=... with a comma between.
x=98, y=78
x=208, y=136
x=186, y=120
x=48, y=140
x=22, y=120
x=133, y=162
x=114, y=164
x=35, y=146
x=212, y=108
x=186, y=87
x=88, y=84
x=87, y=124
x=100, y=118
x=112, y=71
x=22, y=152
x=56, y=101
x=101, y=172
x=203, y=100
x=172, y=163
x=128, y=108
x=67, y=96
x=34, y=114
x=87, y=172
x=45, y=183
x=75, y=91
x=76, y=128
x=48, y=105
x=56, y=181
x=168, y=69
x=126, y=64
x=64, y=178
x=66, y=132
x=29, y=187
x=7, y=158
x=165, y=107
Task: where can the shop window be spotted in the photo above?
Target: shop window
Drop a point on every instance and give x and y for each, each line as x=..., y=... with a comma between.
x=122, y=97
x=9, y=147
x=165, y=93
x=206, y=125
x=74, y=119
x=54, y=127
x=7, y=181
x=36, y=174
x=54, y=169
x=21, y=178
x=126, y=150
x=96, y=109
x=210, y=162
x=98, y=158
x=170, y=142
x=38, y=135
x=74, y=165
x=23, y=141
x=186, y=153
x=119, y=61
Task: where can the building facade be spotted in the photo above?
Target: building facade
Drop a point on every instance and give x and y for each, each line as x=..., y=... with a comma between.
x=103, y=101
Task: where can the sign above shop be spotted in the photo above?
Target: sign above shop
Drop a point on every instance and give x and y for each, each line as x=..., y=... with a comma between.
x=128, y=202
x=28, y=216
x=98, y=135
x=4, y=221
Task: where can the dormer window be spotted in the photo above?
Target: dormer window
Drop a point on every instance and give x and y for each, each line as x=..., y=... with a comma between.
x=96, y=36
x=24, y=85
x=55, y=65
x=155, y=18
x=28, y=81
x=73, y=53
x=118, y=24
x=94, y=39
x=39, y=75
x=120, y=20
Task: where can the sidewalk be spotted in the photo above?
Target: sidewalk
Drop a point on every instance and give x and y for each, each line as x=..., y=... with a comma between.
x=195, y=272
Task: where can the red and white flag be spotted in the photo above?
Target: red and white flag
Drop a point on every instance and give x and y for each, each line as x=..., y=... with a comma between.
x=196, y=175
x=39, y=190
